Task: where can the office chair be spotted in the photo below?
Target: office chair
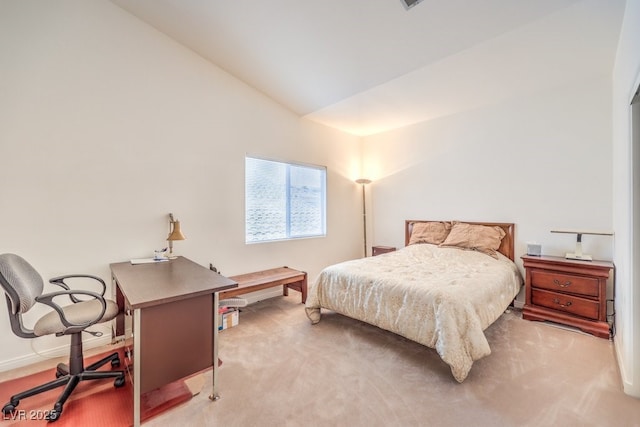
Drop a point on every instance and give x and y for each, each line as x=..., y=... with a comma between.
x=23, y=287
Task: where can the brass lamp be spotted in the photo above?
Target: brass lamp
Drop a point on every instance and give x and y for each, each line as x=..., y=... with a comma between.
x=174, y=234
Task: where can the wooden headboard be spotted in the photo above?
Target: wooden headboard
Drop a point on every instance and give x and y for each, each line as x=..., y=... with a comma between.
x=506, y=247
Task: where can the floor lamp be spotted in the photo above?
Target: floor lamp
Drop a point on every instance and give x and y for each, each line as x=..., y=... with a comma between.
x=363, y=182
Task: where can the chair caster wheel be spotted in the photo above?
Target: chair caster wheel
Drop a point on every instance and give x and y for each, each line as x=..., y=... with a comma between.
x=9, y=408
x=53, y=415
x=119, y=382
x=61, y=371
x=115, y=363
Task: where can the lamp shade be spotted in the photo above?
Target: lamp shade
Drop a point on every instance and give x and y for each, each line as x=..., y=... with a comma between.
x=176, y=233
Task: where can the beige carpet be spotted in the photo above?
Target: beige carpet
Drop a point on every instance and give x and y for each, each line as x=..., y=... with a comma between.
x=279, y=370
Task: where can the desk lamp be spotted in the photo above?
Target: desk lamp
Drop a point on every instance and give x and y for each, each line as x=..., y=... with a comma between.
x=174, y=234
x=578, y=253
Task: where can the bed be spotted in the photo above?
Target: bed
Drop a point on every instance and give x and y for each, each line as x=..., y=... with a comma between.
x=443, y=289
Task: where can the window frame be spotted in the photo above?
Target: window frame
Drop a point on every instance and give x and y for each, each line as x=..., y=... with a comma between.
x=288, y=225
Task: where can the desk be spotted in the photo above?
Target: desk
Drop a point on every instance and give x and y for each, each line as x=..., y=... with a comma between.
x=172, y=308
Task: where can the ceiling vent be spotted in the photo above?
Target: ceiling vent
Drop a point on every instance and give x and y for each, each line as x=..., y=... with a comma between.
x=408, y=4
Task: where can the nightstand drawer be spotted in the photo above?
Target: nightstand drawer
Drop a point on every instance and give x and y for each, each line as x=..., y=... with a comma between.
x=553, y=281
x=567, y=303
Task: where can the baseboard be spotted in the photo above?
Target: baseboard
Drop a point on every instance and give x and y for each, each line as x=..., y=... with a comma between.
x=52, y=353
x=519, y=300
x=253, y=297
x=627, y=384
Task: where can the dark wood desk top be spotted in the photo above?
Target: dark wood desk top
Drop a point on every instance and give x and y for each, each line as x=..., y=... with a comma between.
x=147, y=285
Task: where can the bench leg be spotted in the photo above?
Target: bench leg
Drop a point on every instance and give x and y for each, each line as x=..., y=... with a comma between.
x=303, y=285
x=300, y=286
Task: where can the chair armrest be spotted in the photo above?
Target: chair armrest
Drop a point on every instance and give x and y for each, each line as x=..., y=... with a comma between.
x=47, y=299
x=60, y=281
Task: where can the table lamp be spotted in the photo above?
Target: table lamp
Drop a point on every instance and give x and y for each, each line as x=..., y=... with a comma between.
x=174, y=234
x=578, y=255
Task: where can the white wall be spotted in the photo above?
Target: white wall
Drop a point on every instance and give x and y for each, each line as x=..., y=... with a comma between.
x=106, y=126
x=626, y=78
x=542, y=161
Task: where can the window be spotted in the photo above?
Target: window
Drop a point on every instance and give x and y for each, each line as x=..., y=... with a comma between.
x=283, y=200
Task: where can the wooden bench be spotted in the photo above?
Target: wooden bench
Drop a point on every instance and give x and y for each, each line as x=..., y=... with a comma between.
x=286, y=277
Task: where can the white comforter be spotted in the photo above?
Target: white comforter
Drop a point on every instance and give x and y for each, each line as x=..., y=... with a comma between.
x=443, y=298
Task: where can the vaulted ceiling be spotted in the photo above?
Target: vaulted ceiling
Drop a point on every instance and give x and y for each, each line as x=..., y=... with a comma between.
x=367, y=66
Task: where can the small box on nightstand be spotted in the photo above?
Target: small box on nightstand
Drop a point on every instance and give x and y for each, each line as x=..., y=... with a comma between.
x=534, y=249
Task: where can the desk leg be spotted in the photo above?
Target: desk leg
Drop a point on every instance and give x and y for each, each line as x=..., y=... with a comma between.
x=137, y=348
x=215, y=395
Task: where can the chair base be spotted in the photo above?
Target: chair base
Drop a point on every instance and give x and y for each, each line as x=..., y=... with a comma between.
x=70, y=378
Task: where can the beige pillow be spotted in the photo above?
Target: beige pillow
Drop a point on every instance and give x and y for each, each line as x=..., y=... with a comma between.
x=433, y=232
x=481, y=238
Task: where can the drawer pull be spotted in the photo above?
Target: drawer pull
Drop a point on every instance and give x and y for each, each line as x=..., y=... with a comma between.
x=562, y=285
x=557, y=302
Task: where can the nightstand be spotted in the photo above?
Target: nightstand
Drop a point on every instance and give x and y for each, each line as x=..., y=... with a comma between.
x=567, y=291
x=379, y=250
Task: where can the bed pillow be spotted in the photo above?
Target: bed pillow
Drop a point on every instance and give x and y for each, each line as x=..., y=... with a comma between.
x=434, y=232
x=481, y=238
